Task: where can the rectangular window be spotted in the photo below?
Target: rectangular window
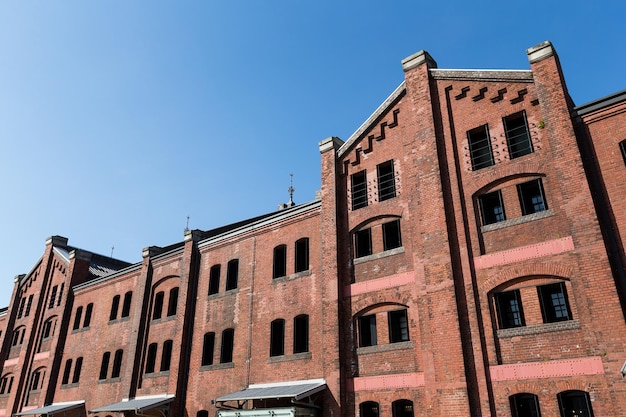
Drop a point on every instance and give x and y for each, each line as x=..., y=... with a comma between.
x=279, y=268
x=367, y=331
x=302, y=255
x=114, y=306
x=77, y=368
x=77, y=317
x=104, y=365
x=531, y=197
x=88, y=312
x=517, y=135
x=53, y=296
x=172, y=304
x=117, y=363
x=208, y=349
x=358, y=185
x=214, y=279
x=301, y=333
x=30, y=303
x=386, y=181
x=151, y=359
x=126, y=306
x=398, y=326
x=480, y=148
x=622, y=148
x=158, y=305
x=554, y=303
x=491, y=207
x=391, y=235
x=166, y=356
x=228, y=341
x=277, y=337
x=509, y=309
x=363, y=243
x=66, y=372
x=232, y=274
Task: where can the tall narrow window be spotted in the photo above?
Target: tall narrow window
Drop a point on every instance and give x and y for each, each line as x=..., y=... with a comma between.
x=517, y=135
x=53, y=296
x=280, y=261
x=208, y=349
x=402, y=408
x=48, y=328
x=391, y=235
x=575, y=403
x=622, y=148
x=531, y=197
x=172, y=304
x=166, y=356
x=29, y=304
x=301, y=333
x=158, y=305
x=554, y=303
x=509, y=309
x=66, y=372
x=398, y=326
x=128, y=297
x=386, y=181
x=114, y=307
x=363, y=243
x=20, y=311
x=358, y=187
x=104, y=365
x=524, y=405
x=60, y=297
x=214, y=279
x=151, y=358
x=492, y=207
x=480, y=148
x=6, y=384
x=367, y=331
x=77, y=317
x=117, y=363
x=88, y=312
x=302, y=255
x=368, y=409
x=228, y=340
x=37, y=380
x=232, y=274
x=277, y=337
x=77, y=368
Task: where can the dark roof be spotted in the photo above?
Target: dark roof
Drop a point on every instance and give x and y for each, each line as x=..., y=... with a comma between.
x=138, y=405
x=293, y=389
x=52, y=408
x=600, y=103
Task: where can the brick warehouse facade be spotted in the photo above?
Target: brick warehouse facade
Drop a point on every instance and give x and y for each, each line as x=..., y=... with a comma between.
x=465, y=257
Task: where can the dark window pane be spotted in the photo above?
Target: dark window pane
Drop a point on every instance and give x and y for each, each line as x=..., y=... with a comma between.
x=358, y=190
x=151, y=358
x=88, y=312
x=117, y=363
x=368, y=409
x=402, y=408
x=509, y=309
x=77, y=317
x=166, y=355
x=480, y=148
x=172, y=304
x=575, y=403
x=114, y=306
x=492, y=208
x=214, y=279
x=302, y=255
x=228, y=340
x=128, y=297
x=554, y=303
x=531, y=197
x=280, y=261
x=104, y=365
x=363, y=243
x=391, y=235
x=398, y=326
x=208, y=349
x=517, y=135
x=77, y=368
x=301, y=333
x=232, y=274
x=386, y=181
x=66, y=372
x=367, y=331
x=158, y=305
x=277, y=337
x=524, y=405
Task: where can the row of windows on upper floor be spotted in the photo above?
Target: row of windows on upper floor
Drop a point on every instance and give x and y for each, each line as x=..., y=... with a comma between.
x=386, y=181
x=531, y=196
x=399, y=408
x=397, y=326
x=571, y=403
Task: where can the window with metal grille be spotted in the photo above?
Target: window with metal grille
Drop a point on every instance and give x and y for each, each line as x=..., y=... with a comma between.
x=391, y=235
x=398, y=326
x=363, y=243
x=301, y=333
x=479, y=143
x=554, y=302
x=232, y=274
x=492, y=207
x=386, y=181
x=277, y=337
x=517, y=135
x=214, y=279
x=358, y=187
x=531, y=197
x=509, y=309
x=524, y=405
x=367, y=331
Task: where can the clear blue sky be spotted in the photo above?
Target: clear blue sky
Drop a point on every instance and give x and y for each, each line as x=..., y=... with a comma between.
x=120, y=118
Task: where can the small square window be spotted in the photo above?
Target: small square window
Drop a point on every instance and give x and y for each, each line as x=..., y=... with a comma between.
x=481, y=154
x=359, y=190
x=391, y=235
x=386, y=181
x=509, y=309
x=363, y=243
x=492, y=208
x=554, y=303
x=531, y=197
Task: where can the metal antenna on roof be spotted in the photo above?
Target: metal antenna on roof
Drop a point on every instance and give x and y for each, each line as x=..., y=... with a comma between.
x=112, y=247
x=291, y=190
x=187, y=227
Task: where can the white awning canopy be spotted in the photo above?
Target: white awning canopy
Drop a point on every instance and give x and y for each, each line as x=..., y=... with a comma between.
x=296, y=390
x=51, y=409
x=138, y=405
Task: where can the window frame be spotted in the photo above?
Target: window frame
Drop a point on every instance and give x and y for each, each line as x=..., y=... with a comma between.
x=172, y=302
x=214, y=279
x=78, y=366
x=565, y=398
x=358, y=190
x=117, y=363
x=386, y=178
x=398, y=323
x=151, y=358
x=301, y=255
x=277, y=337
x=301, y=333
x=104, y=366
x=363, y=242
x=552, y=313
x=480, y=150
x=509, y=318
x=527, y=192
x=228, y=345
x=488, y=208
x=126, y=306
x=367, y=330
x=232, y=274
x=518, y=142
x=369, y=409
x=279, y=261
x=208, y=354
x=157, y=310
x=166, y=355
x=396, y=408
x=392, y=235
x=524, y=404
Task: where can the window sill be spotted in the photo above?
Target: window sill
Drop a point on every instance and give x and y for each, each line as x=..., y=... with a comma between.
x=379, y=255
x=223, y=294
x=121, y=319
x=517, y=220
x=118, y=379
x=217, y=366
x=293, y=357
x=541, y=328
x=72, y=385
x=151, y=375
x=163, y=319
x=292, y=276
x=82, y=329
x=384, y=348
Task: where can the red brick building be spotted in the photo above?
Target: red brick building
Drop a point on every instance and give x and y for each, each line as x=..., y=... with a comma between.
x=465, y=257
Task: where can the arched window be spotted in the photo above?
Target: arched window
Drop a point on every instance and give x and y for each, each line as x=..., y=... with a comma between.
x=49, y=327
x=301, y=333
x=277, y=337
x=280, y=261
x=128, y=297
x=77, y=317
x=402, y=408
x=158, y=305
x=151, y=359
x=524, y=405
x=368, y=409
x=228, y=340
x=172, y=304
x=66, y=372
x=166, y=356
x=6, y=383
x=104, y=365
x=117, y=363
x=208, y=349
x=232, y=274
x=114, y=306
x=575, y=403
x=77, y=369
x=302, y=255
x=214, y=279
x=88, y=312
x=202, y=413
